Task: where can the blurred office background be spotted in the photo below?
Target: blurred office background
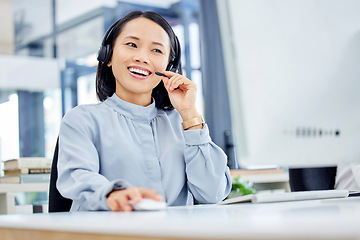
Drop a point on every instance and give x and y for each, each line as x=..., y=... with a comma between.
x=48, y=62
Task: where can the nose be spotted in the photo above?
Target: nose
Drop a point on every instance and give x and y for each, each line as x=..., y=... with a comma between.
x=141, y=58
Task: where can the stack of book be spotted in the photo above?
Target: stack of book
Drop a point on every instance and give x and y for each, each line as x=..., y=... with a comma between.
x=27, y=170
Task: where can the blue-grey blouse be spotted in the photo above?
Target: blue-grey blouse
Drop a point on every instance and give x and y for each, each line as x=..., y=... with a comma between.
x=115, y=144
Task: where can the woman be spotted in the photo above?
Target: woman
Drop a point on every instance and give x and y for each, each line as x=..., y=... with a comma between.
x=145, y=139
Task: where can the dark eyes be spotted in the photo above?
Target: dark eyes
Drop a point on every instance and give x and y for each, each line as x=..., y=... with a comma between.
x=157, y=51
x=133, y=45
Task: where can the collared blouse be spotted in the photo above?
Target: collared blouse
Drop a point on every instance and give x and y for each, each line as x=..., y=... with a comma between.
x=115, y=144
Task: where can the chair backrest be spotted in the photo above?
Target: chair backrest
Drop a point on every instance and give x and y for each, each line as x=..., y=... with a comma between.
x=57, y=203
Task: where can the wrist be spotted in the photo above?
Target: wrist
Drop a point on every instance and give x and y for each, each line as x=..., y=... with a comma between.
x=193, y=123
x=189, y=114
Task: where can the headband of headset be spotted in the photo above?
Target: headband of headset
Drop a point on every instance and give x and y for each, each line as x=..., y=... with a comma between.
x=104, y=53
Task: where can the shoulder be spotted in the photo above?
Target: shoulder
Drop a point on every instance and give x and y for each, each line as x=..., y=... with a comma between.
x=84, y=119
x=83, y=113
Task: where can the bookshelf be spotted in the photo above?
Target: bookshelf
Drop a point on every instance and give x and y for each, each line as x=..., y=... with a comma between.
x=7, y=194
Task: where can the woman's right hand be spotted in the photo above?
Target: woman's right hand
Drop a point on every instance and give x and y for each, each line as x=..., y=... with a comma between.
x=118, y=200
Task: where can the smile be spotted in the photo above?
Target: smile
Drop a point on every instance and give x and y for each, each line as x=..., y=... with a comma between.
x=138, y=71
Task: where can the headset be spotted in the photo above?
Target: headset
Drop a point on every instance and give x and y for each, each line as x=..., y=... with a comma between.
x=104, y=53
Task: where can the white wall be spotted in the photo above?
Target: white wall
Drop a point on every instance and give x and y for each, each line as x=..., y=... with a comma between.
x=293, y=65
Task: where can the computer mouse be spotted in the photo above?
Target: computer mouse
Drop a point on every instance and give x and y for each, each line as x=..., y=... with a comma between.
x=148, y=204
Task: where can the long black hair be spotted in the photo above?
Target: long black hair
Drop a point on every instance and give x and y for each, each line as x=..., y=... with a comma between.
x=105, y=80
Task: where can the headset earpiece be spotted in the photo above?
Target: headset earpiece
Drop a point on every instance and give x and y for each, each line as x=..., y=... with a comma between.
x=170, y=66
x=174, y=64
x=104, y=54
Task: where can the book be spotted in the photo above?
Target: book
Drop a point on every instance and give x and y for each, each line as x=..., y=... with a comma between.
x=27, y=162
x=287, y=196
x=19, y=171
x=26, y=178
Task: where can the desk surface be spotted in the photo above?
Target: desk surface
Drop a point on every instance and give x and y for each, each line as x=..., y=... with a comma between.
x=315, y=219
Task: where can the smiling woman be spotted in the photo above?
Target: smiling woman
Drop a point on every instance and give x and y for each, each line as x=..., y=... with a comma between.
x=105, y=78
x=145, y=139
x=141, y=48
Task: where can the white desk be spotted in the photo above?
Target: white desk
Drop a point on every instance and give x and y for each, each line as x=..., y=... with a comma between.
x=316, y=219
x=7, y=196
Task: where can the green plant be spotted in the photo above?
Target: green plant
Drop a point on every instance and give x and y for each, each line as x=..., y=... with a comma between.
x=241, y=187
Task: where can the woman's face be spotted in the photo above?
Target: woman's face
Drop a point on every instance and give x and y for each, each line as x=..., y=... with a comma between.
x=141, y=49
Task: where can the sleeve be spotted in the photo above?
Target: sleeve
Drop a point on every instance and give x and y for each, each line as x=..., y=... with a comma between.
x=78, y=164
x=206, y=167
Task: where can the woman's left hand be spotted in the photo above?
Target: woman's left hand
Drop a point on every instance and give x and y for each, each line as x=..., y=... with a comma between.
x=181, y=90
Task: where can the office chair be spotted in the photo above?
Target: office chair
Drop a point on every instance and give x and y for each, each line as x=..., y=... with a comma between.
x=57, y=203
x=308, y=179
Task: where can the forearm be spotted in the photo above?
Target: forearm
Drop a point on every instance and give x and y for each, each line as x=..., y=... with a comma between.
x=206, y=168
x=85, y=186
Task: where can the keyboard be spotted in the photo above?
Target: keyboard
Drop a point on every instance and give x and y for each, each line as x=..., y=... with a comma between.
x=288, y=196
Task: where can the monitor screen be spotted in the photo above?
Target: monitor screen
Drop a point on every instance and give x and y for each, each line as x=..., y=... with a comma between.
x=293, y=72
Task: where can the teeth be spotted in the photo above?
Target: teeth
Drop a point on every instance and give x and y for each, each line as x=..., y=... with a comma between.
x=139, y=71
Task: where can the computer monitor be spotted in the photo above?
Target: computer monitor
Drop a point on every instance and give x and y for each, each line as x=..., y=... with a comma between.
x=293, y=72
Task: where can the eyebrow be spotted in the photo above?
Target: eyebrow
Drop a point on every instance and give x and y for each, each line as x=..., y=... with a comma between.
x=136, y=38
